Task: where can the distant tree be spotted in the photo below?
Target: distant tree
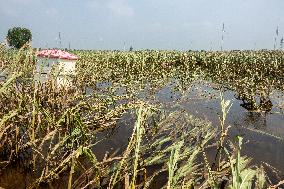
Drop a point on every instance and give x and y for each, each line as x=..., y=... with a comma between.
x=18, y=36
x=131, y=48
x=281, y=43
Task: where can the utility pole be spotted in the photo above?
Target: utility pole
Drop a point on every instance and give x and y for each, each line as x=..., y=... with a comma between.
x=275, y=38
x=223, y=32
x=281, y=43
x=69, y=45
x=190, y=45
x=59, y=38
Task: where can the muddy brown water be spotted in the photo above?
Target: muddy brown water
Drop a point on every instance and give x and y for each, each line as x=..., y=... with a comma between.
x=263, y=133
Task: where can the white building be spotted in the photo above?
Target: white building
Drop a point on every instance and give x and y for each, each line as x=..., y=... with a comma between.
x=60, y=64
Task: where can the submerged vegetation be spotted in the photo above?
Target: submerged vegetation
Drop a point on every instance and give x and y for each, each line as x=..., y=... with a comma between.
x=253, y=74
x=51, y=132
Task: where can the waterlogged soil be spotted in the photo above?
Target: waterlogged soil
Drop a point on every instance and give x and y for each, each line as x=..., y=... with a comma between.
x=263, y=132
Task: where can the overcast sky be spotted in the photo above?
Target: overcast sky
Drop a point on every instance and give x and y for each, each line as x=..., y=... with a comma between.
x=146, y=24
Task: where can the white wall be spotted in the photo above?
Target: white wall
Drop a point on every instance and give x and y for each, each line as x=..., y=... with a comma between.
x=44, y=65
x=63, y=69
x=67, y=67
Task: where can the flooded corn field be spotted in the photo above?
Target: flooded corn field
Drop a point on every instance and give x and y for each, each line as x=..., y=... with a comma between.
x=143, y=119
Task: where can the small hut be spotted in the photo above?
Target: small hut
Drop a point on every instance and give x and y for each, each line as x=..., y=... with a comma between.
x=61, y=63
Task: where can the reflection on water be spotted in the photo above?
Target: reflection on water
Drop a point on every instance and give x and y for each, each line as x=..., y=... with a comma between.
x=263, y=132
x=115, y=140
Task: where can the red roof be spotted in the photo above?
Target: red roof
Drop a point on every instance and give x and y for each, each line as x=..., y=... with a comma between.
x=55, y=53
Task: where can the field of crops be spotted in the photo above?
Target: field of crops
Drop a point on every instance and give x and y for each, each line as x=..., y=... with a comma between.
x=71, y=137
